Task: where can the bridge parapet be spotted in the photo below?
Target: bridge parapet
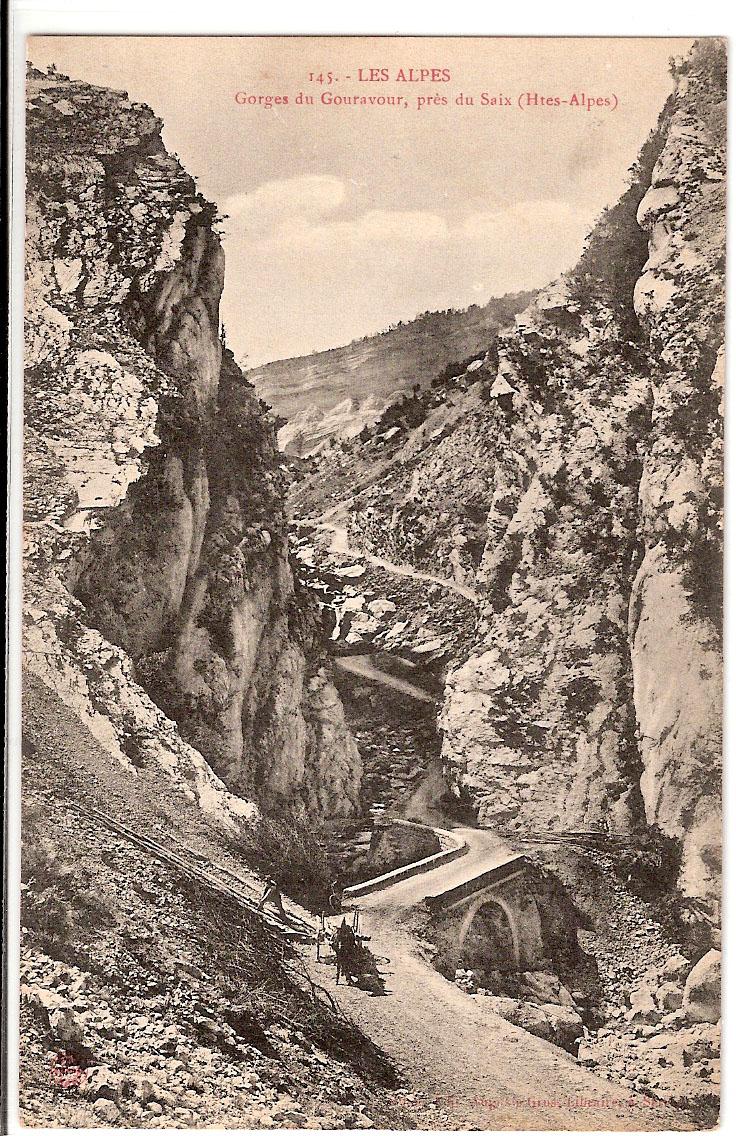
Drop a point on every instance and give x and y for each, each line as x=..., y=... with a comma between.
x=512, y=937
x=492, y=877
x=451, y=847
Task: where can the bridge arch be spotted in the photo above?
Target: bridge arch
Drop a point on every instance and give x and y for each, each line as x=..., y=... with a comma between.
x=508, y=923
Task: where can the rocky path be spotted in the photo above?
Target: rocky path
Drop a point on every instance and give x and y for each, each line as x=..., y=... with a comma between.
x=480, y=1070
x=340, y=543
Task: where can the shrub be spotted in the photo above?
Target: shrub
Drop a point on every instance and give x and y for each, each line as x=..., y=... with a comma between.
x=289, y=844
x=653, y=867
x=57, y=894
x=582, y=694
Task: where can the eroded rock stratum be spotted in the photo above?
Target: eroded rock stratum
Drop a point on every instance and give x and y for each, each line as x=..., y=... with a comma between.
x=158, y=588
x=592, y=696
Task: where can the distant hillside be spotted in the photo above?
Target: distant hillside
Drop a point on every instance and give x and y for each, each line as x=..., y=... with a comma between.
x=365, y=375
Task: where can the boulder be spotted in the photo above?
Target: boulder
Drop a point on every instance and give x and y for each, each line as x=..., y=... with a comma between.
x=66, y=1025
x=102, y=1083
x=107, y=1111
x=676, y=967
x=674, y=1019
x=566, y=1024
x=542, y=984
x=589, y=1053
x=530, y=1017
x=669, y=995
x=643, y=1005
x=702, y=999
x=381, y=607
x=549, y=1021
x=293, y=1117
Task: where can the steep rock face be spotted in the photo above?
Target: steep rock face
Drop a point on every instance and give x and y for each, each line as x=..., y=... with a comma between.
x=157, y=577
x=598, y=646
x=676, y=602
x=430, y=505
x=538, y=722
x=310, y=430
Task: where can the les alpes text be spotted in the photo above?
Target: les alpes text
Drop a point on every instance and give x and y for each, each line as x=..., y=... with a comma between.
x=404, y=75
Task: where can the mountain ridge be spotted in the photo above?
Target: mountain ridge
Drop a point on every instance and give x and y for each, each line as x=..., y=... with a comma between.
x=308, y=389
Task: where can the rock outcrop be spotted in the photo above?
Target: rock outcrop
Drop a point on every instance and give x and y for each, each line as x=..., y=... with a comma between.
x=592, y=696
x=662, y=1043
x=158, y=584
x=675, y=607
x=701, y=999
x=572, y=479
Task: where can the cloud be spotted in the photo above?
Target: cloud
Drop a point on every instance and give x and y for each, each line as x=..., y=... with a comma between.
x=291, y=216
x=375, y=227
x=276, y=203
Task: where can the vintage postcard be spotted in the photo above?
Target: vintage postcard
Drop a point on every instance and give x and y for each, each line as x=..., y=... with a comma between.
x=372, y=583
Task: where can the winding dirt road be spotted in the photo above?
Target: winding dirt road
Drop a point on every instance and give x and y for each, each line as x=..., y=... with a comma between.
x=361, y=665
x=481, y=1071
x=341, y=544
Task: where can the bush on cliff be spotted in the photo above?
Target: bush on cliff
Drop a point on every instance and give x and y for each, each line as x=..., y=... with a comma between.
x=289, y=844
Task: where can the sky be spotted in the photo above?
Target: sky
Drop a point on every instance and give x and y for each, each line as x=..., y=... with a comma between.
x=342, y=220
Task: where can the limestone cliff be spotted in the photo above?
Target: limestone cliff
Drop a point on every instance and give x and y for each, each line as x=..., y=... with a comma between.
x=158, y=586
x=571, y=478
x=592, y=696
x=675, y=608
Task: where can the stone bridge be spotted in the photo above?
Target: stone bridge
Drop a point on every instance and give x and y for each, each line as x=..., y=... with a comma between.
x=494, y=913
x=487, y=902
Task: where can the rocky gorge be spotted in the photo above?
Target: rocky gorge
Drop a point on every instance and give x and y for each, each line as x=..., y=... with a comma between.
x=569, y=480
x=495, y=607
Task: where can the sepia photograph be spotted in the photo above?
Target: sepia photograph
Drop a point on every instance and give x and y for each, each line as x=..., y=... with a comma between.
x=372, y=583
